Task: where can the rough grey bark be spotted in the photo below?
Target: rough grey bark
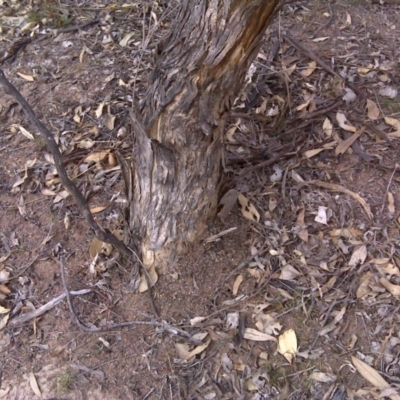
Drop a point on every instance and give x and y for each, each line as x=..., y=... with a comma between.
x=200, y=69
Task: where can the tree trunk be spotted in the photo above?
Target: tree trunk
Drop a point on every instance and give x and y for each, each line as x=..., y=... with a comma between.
x=200, y=70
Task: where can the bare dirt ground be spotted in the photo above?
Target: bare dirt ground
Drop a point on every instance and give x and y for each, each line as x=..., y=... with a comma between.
x=299, y=301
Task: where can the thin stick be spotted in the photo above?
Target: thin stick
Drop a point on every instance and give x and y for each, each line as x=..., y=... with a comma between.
x=41, y=310
x=101, y=234
x=388, y=187
x=166, y=326
x=323, y=64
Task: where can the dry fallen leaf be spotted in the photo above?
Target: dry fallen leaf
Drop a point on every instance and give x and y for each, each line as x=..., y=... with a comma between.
x=343, y=146
x=310, y=69
x=344, y=123
x=322, y=377
x=394, y=290
x=320, y=39
x=391, y=206
x=227, y=203
x=99, y=110
x=339, y=188
x=95, y=210
x=110, y=121
x=257, y=336
x=396, y=124
x=183, y=352
x=248, y=210
x=312, y=153
x=239, y=279
x=321, y=216
x=388, y=91
x=34, y=385
x=287, y=344
x=327, y=127
x=359, y=255
x=28, y=78
x=289, y=273
x=26, y=133
x=373, y=110
x=153, y=277
x=125, y=40
x=4, y=315
x=303, y=231
x=372, y=376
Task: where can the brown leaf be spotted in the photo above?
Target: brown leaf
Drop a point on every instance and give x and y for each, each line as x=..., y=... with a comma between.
x=373, y=110
x=248, y=210
x=369, y=373
x=343, y=146
x=344, y=123
x=239, y=279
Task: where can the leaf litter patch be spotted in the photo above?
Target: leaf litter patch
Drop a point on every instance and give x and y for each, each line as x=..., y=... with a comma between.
x=322, y=253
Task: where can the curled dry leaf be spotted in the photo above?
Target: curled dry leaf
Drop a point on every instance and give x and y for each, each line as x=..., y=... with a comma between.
x=232, y=320
x=248, y=210
x=26, y=133
x=110, y=121
x=394, y=290
x=96, y=156
x=239, y=279
x=339, y=188
x=183, y=352
x=289, y=273
x=99, y=110
x=364, y=287
x=125, y=40
x=327, y=127
x=34, y=385
x=196, y=320
x=287, y=344
x=312, y=153
x=4, y=316
x=227, y=203
x=272, y=203
x=372, y=110
x=257, y=336
x=321, y=217
x=359, y=255
x=98, y=209
x=321, y=39
x=300, y=223
x=277, y=175
x=369, y=373
x=143, y=287
x=388, y=91
x=343, y=146
x=350, y=96
x=27, y=77
x=322, y=377
x=95, y=247
x=310, y=69
x=391, y=206
x=344, y=123
x=395, y=124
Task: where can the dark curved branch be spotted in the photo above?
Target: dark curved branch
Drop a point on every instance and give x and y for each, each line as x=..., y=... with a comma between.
x=100, y=233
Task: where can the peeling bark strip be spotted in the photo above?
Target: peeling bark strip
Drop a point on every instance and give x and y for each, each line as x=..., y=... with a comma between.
x=200, y=69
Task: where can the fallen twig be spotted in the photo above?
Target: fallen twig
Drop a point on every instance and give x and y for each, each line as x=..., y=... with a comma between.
x=323, y=111
x=342, y=189
x=327, y=23
x=100, y=233
x=41, y=310
x=170, y=328
x=323, y=64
